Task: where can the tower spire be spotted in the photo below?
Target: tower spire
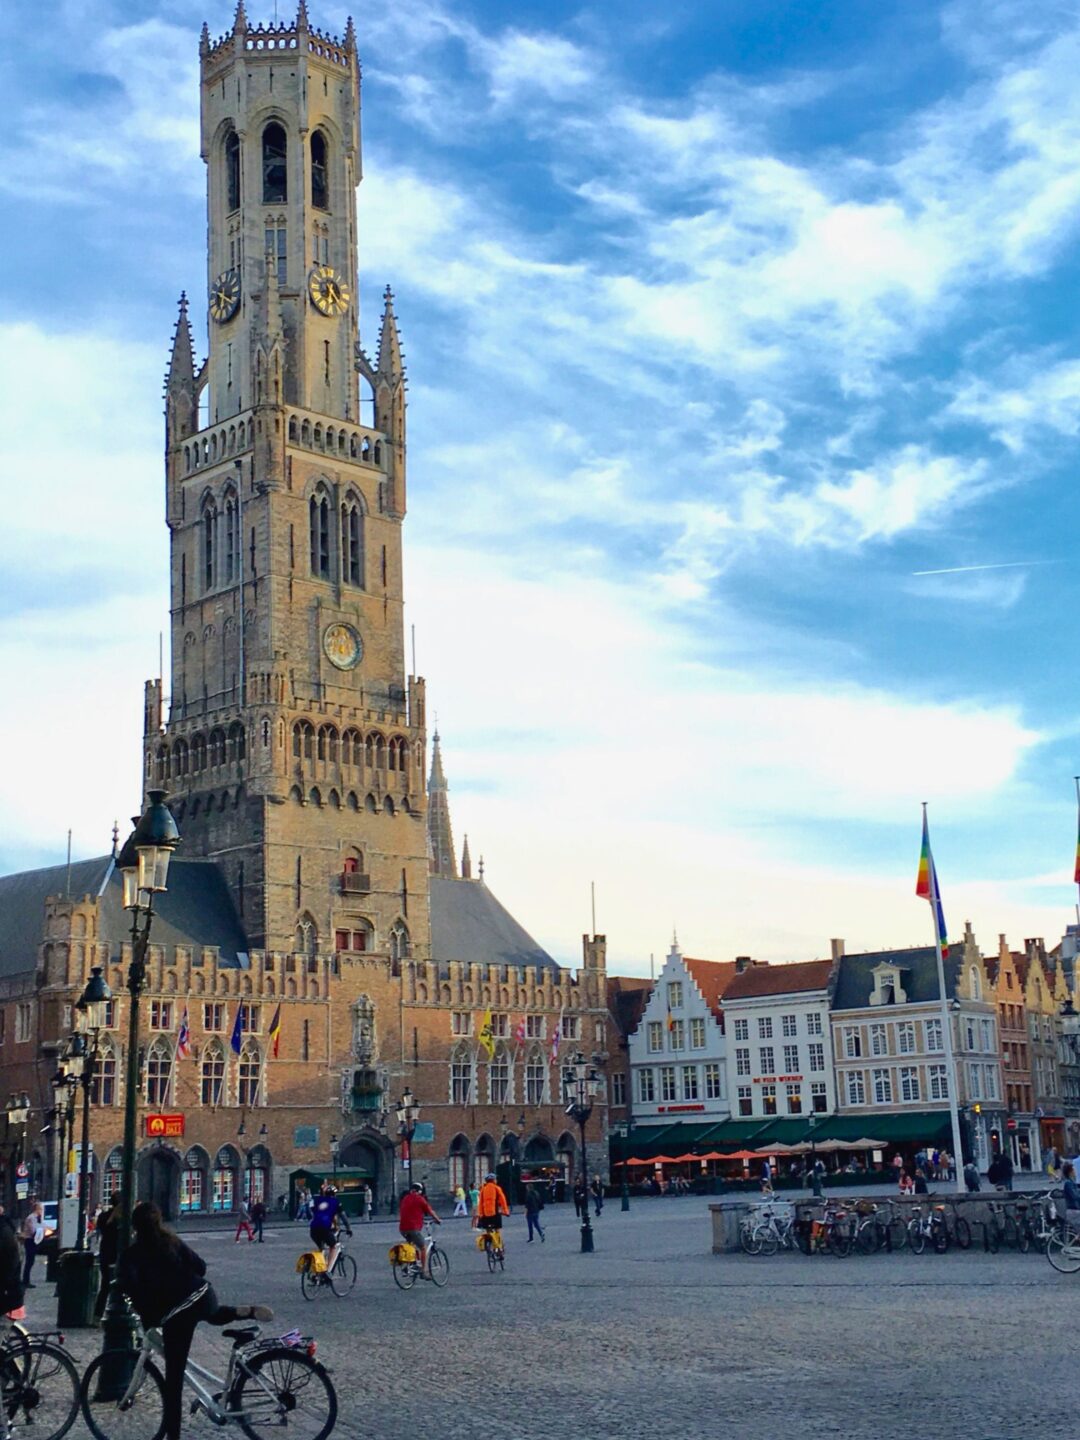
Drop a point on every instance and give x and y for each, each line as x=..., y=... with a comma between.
x=443, y=860
x=182, y=359
x=390, y=364
x=466, y=861
x=240, y=23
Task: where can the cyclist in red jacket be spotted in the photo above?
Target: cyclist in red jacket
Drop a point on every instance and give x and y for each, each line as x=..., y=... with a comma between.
x=411, y=1213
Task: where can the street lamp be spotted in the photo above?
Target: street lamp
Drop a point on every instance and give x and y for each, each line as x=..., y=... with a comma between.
x=408, y=1112
x=815, y=1183
x=17, y=1114
x=581, y=1084
x=92, y=1012
x=625, y=1193
x=144, y=867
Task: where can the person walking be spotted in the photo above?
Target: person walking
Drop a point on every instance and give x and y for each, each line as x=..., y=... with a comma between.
x=1072, y=1198
x=766, y=1177
x=474, y=1198
x=258, y=1219
x=460, y=1205
x=368, y=1200
x=244, y=1224
x=167, y=1283
x=597, y=1189
x=107, y=1229
x=581, y=1199
x=534, y=1203
x=33, y=1233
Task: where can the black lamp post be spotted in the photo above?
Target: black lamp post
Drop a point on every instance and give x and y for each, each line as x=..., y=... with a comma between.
x=17, y=1114
x=408, y=1112
x=144, y=867
x=581, y=1084
x=624, y=1203
x=92, y=1010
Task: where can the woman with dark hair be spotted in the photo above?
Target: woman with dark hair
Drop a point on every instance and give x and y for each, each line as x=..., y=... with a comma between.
x=164, y=1277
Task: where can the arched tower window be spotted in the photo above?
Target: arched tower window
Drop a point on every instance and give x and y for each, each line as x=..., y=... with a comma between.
x=158, y=1072
x=232, y=170
x=232, y=537
x=320, y=536
x=275, y=156
x=307, y=937
x=250, y=1074
x=209, y=545
x=399, y=941
x=212, y=1073
x=352, y=542
x=319, y=191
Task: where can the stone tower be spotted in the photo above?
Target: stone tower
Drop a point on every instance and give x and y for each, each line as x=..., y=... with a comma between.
x=440, y=836
x=293, y=750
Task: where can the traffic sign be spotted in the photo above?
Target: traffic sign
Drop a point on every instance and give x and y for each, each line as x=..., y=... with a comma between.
x=22, y=1170
x=22, y=1189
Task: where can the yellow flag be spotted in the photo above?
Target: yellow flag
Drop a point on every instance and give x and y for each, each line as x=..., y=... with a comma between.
x=487, y=1039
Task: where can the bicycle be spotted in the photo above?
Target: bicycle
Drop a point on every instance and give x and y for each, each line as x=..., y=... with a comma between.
x=408, y=1268
x=491, y=1242
x=879, y=1229
x=270, y=1386
x=338, y=1279
x=930, y=1226
x=31, y=1396
x=833, y=1232
x=1063, y=1250
x=765, y=1231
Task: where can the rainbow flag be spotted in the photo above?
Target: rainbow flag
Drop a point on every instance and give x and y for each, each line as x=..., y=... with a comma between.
x=275, y=1032
x=1076, y=870
x=926, y=887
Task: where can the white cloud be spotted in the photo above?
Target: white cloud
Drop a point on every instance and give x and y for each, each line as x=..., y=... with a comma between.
x=1033, y=394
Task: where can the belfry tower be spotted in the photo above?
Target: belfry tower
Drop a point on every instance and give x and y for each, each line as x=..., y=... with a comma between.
x=293, y=748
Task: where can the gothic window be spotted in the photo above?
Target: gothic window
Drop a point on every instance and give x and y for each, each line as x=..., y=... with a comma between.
x=180, y=757
x=232, y=537
x=275, y=155
x=250, y=1074
x=499, y=1077
x=307, y=937
x=352, y=542
x=352, y=749
x=303, y=740
x=103, y=1084
x=319, y=192
x=209, y=545
x=461, y=1076
x=320, y=536
x=399, y=941
x=535, y=1078
x=162, y=763
x=237, y=745
x=217, y=748
x=212, y=1073
x=158, y=1072
x=327, y=744
x=198, y=754
x=232, y=170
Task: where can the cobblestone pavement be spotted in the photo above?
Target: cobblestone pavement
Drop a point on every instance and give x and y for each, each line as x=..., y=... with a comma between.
x=654, y=1336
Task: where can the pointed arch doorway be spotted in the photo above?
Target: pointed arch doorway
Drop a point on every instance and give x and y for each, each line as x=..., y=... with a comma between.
x=370, y=1151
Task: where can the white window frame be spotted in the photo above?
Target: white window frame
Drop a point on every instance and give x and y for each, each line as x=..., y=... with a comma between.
x=742, y=1029
x=855, y=1086
x=742, y=1062
x=654, y=1036
x=646, y=1086
x=789, y=1025
x=881, y=1080
x=697, y=1033
x=817, y=1056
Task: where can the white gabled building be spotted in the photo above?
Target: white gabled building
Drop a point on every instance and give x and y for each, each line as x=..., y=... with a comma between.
x=779, y=1041
x=677, y=1053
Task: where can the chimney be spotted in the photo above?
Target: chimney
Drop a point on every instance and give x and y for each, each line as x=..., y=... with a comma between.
x=837, y=948
x=742, y=962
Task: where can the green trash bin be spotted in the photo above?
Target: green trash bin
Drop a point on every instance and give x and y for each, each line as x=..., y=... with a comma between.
x=76, y=1289
x=49, y=1251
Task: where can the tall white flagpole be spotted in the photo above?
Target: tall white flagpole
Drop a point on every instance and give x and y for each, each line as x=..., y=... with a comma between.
x=946, y=1024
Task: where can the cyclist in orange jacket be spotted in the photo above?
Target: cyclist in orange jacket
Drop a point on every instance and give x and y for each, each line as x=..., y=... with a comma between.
x=491, y=1206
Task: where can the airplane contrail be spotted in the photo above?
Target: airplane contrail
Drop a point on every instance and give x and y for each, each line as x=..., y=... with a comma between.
x=1004, y=565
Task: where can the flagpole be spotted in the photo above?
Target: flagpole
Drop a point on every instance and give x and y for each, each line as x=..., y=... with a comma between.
x=946, y=1027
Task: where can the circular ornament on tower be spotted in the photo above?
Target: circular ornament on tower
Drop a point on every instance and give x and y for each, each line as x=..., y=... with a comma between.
x=328, y=290
x=342, y=646
x=225, y=296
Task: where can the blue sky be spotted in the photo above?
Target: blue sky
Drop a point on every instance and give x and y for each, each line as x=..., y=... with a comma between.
x=745, y=391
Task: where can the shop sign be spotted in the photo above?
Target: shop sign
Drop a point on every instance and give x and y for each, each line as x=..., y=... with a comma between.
x=164, y=1127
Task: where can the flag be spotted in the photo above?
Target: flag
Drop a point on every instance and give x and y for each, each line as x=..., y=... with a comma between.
x=238, y=1030
x=519, y=1033
x=670, y=1020
x=486, y=1037
x=183, y=1038
x=926, y=887
x=555, y=1037
x=275, y=1032
x=1076, y=869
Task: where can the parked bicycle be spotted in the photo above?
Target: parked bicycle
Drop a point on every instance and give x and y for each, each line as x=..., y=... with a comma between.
x=767, y=1229
x=833, y=1231
x=1063, y=1250
x=316, y=1279
x=270, y=1388
x=39, y=1384
x=406, y=1263
x=928, y=1227
x=879, y=1227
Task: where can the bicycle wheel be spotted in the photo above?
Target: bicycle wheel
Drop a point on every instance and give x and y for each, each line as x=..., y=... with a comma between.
x=939, y=1235
x=869, y=1237
x=804, y=1237
x=502, y=1257
x=1010, y=1231
x=1027, y=1237
x=143, y=1415
x=962, y=1233
x=1063, y=1252
x=839, y=1241
x=916, y=1237
x=992, y=1236
x=770, y=1242
x=284, y=1389
x=750, y=1239
x=344, y=1275
x=44, y=1390
x=405, y=1275
x=489, y=1251
x=438, y=1266
x=313, y=1285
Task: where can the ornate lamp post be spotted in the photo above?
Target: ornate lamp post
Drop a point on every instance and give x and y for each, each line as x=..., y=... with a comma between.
x=408, y=1112
x=92, y=1011
x=144, y=867
x=581, y=1085
x=17, y=1114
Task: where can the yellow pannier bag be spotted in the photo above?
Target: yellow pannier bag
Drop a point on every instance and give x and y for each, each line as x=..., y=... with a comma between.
x=312, y=1262
x=403, y=1253
x=482, y=1240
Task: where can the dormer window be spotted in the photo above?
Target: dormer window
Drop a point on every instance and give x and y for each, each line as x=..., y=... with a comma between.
x=887, y=987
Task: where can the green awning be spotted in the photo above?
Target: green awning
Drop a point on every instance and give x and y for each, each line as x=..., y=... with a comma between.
x=914, y=1127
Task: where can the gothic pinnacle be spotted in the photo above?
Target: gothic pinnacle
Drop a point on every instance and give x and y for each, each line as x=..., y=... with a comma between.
x=350, y=34
x=302, y=21
x=240, y=23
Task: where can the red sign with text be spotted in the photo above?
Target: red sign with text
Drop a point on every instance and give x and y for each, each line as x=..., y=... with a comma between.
x=164, y=1127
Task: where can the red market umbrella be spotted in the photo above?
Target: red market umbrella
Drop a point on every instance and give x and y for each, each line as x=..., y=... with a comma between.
x=682, y=1159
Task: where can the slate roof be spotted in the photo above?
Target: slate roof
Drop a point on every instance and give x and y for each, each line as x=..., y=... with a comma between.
x=627, y=996
x=711, y=977
x=855, y=982
x=197, y=909
x=779, y=979
x=468, y=923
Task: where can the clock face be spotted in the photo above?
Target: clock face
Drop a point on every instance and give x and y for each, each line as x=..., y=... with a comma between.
x=225, y=296
x=328, y=291
x=343, y=646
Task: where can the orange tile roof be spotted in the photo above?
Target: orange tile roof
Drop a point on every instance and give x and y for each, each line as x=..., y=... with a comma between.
x=711, y=977
x=779, y=979
x=627, y=996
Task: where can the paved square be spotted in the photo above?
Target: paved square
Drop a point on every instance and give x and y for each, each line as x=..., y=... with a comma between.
x=652, y=1335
